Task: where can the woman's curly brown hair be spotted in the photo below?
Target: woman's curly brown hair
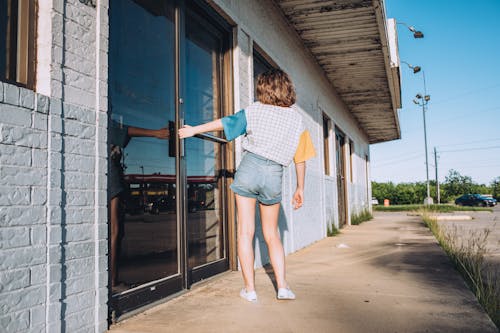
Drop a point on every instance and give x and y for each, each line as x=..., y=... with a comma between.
x=276, y=88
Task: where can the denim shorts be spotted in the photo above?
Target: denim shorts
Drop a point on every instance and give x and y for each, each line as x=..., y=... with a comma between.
x=259, y=178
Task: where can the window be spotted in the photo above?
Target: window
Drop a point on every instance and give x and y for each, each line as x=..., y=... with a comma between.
x=261, y=63
x=17, y=42
x=326, y=143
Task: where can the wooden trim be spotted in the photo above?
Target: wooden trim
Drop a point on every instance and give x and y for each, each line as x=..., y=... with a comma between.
x=227, y=105
x=11, y=42
x=263, y=55
x=226, y=96
x=32, y=44
x=24, y=61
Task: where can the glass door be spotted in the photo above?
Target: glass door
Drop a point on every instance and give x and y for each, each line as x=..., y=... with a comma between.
x=204, y=154
x=144, y=221
x=167, y=199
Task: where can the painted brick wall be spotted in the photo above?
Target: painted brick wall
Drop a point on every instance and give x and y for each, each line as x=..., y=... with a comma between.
x=23, y=198
x=53, y=215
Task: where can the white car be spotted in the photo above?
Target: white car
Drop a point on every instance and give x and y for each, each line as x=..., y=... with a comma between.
x=374, y=201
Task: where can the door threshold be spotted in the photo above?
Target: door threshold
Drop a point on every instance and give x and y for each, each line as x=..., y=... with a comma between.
x=203, y=282
x=139, y=310
x=149, y=306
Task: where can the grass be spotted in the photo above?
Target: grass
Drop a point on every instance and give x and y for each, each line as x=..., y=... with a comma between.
x=332, y=230
x=357, y=219
x=467, y=253
x=432, y=208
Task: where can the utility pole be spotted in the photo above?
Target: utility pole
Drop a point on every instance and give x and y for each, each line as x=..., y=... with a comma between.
x=437, y=179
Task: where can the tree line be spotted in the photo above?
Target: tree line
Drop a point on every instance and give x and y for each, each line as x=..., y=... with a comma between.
x=454, y=186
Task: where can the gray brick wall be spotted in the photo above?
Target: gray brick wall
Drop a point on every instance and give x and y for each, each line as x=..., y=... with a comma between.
x=23, y=192
x=53, y=164
x=52, y=230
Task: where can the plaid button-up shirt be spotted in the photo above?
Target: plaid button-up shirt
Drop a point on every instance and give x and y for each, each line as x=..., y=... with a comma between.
x=270, y=131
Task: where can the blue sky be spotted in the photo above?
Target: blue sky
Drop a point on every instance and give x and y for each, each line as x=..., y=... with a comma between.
x=460, y=55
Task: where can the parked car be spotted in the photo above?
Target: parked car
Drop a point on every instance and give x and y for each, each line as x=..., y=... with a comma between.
x=490, y=196
x=374, y=201
x=161, y=204
x=475, y=200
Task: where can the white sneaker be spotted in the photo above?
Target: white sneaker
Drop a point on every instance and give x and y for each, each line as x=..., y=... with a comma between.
x=250, y=296
x=285, y=293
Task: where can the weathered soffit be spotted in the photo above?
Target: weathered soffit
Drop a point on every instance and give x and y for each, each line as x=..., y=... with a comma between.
x=348, y=38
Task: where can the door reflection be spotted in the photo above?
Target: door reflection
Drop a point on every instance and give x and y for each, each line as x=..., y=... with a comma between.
x=143, y=219
x=205, y=214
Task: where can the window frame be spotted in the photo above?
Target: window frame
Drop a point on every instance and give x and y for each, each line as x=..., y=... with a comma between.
x=261, y=56
x=326, y=143
x=351, y=160
x=27, y=36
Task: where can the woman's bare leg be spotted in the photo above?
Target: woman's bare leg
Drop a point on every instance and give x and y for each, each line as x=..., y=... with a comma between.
x=246, y=231
x=269, y=218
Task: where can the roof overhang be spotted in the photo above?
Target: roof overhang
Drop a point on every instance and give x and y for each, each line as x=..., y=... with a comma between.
x=350, y=41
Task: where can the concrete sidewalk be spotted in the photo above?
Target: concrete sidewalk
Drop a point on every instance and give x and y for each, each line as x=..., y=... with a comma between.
x=392, y=277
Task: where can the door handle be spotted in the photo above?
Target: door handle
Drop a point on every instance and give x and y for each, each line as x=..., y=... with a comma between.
x=181, y=142
x=171, y=139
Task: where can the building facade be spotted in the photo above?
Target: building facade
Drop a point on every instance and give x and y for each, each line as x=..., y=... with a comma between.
x=102, y=209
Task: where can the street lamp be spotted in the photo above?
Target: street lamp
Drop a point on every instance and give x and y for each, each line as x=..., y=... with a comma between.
x=423, y=100
x=416, y=33
x=415, y=69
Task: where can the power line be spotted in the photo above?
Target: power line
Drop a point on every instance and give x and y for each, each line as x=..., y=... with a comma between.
x=469, y=114
x=396, y=162
x=470, y=92
x=413, y=153
x=478, y=163
x=450, y=120
x=480, y=166
x=469, y=149
x=469, y=142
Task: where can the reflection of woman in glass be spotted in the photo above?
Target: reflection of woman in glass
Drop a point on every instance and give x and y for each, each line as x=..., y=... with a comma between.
x=274, y=136
x=118, y=137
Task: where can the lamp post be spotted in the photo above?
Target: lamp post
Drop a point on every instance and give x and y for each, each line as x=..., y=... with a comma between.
x=423, y=100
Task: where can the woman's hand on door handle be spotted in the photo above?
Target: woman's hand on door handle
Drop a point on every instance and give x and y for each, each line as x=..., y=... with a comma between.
x=186, y=132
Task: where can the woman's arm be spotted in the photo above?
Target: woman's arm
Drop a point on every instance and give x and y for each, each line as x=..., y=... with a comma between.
x=161, y=133
x=298, y=197
x=189, y=131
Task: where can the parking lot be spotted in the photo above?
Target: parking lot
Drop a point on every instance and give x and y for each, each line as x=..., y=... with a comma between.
x=480, y=222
